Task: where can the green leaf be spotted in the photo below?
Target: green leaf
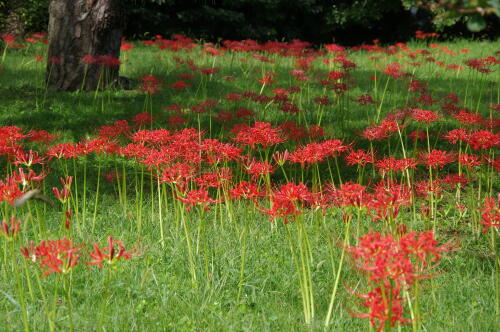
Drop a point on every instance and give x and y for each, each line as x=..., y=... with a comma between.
x=476, y=23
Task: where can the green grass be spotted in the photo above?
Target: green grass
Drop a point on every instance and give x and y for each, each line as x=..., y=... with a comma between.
x=153, y=291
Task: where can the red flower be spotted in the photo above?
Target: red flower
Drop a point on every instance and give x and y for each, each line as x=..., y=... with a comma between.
x=392, y=164
x=143, y=119
x=394, y=70
x=109, y=254
x=53, y=255
x=424, y=115
x=469, y=160
x=9, y=190
x=456, y=135
x=468, y=118
x=483, y=139
x=150, y=84
x=64, y=194
x=125, y=47
x=359, y=157
x=437, y=158
x=417, y=135
x=197, y=197
x=261, y=133
x=365, y=100
x=490, y=213
x=246, y=190
x=258, y=168
x=9, y=231
x=180, y=85
x=289, y=201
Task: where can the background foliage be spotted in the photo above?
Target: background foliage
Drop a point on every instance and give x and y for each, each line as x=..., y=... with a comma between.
x=347, y=22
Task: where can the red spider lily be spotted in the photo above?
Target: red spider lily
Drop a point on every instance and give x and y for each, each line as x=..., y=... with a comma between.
x=395, y=165
x=9, y=189
x=417, y=135
x=10, y=134
x=293, y=130
x=467, y=118
x=384, y=130
x=394, y=70
x=143, y=119
x=109, y=254
x=258, y=168
x=454, y=179
x=53, y=255
x=481, y=65
x=437, y=158
x=336, y=75
x=118, y=128
x=387, y=201
x=99, y=146
x=64, y=194
x=456, y=135
x=26, y=179
x=289, y=201
x=385, y=305
x=10, y=231
x=180, y=85
x=65, y=151
x=423, y=35
x=490, y=213
x=216, y=152
x=349, y=194
x=385, y=258
x=150, y=84
x=41, y=136
x=316, y=131
x=483, y=140
x=197, y=197
x=281, y=157
x=69, y=215
x=177, y=173
x=261, y=133
x=246, y=190
x=268, y=79
x=424, y=115
x=107, y=61
x=365, y=99
x=8, y=39
x=89, y=59
x=322, y=101
x=390, y=265
x=244, y=113
x=216, y=179
x=359, y=157
x=416, y=86
x=209, y=71
x=233, y=96
x=125, y=47
x=469, y=160
x=316, y=152
x=426, y=99
x=156, y=137
x=205, y=106
x=334, y=48
x=28, y=159
x=425, y=187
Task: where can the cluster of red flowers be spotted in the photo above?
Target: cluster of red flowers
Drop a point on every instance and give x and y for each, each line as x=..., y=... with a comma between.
x=61, y=256
x=392, y=265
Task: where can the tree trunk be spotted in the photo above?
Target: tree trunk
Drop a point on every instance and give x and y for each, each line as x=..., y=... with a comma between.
x=84, y=43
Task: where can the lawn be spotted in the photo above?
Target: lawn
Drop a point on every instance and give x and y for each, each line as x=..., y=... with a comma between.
x=254, y=187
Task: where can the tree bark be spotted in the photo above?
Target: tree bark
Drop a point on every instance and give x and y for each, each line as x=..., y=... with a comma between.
x=84, y=43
